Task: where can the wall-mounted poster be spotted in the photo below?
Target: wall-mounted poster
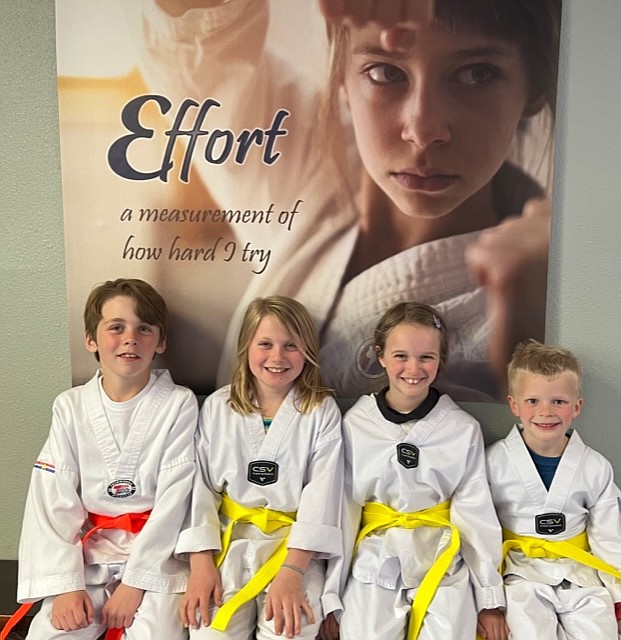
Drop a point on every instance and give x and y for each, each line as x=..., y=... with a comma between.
x=247, y=148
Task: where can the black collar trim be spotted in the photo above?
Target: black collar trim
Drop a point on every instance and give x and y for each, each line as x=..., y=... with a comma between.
x=416, y=414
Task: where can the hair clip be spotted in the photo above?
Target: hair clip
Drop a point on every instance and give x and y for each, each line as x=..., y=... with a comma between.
x=436, y=321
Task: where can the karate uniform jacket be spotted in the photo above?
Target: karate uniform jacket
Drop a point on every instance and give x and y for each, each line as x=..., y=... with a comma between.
x=450, y=466
x=82, y=470
x=304, y=460
x=582, y=493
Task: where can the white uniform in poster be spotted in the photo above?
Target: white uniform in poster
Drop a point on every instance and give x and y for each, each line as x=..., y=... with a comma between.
x=84, y=469
x=307, y=454
x=583, y=491
x=225, y=54
x=390, y=564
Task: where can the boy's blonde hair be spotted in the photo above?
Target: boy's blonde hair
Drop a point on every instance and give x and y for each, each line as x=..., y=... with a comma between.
x=542, y=359
x=297, y=321
x=149, y=305
x=412, y=313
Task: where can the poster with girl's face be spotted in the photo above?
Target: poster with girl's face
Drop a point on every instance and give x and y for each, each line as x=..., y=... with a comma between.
x=251, y=148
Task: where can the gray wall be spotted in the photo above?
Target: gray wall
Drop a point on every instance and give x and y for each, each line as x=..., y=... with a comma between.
x=584, y=306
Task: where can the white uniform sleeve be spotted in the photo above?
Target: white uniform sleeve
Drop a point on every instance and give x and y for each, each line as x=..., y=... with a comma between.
x=317, y=526
x=152, y=550
x=473, y=513
x=604, y=529
x=339, y=566
x=201, y=529
x=50, y=550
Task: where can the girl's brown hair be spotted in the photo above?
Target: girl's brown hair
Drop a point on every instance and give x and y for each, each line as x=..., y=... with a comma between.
x=412, y=313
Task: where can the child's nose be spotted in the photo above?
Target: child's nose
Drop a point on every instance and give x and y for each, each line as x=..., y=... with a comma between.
x=424, y=123
x=278, y=352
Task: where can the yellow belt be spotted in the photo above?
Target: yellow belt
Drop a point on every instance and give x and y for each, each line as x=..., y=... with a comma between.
x=576, y=548
x=267, y=521
x=377, y=516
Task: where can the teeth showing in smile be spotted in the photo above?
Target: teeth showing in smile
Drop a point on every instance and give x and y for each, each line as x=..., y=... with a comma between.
x=412, y=380
x=276, y=369
x=129, y=356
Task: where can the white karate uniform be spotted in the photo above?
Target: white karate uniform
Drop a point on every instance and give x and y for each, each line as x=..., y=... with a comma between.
x=558, y=598
x=82, y=469
x=390, y=564
x=224, y=53
x=307, y=452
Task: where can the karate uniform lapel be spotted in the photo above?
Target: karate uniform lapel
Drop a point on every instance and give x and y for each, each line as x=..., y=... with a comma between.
x=567, y=468
x=520, y=457
x=122, y=463
x=270, y=443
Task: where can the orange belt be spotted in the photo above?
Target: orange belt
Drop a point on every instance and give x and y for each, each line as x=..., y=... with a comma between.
x=133, y=522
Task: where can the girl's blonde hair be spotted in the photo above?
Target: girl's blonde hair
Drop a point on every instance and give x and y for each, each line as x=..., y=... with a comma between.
x=297, y=321
x=412, y=313
x=541, y=359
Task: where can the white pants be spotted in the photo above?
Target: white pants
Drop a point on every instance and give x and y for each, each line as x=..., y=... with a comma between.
x=157, y=617
x=560, y=612
x=251, y=617
x=377, y=613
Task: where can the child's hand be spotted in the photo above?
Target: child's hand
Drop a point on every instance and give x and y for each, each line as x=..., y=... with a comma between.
x=204, y=585
x=329, y=629
x=492, y=625
x=395, y=16
x=72, y=611
x=120, y=609
x=511, y=262
x=285, y=603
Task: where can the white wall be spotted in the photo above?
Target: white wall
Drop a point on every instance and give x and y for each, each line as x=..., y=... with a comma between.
x=584, y=307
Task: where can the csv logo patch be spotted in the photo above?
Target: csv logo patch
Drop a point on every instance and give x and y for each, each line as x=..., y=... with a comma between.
x=121, y=489
x=262, y=472
x=407, y=455
x=550, y=524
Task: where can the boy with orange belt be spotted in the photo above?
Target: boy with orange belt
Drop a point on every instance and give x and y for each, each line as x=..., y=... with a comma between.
x=110, y=488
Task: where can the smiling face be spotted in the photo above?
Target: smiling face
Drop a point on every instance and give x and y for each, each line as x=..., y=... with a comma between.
x=546, y=407
x=275, y=359
x=126, y=345
x=411, y=358
x=434, y=124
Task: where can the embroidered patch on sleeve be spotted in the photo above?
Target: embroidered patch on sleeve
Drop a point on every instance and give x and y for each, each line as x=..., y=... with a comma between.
x=45, y=466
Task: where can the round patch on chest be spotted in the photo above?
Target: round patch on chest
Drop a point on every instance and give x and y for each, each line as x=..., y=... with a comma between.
x=121, y=489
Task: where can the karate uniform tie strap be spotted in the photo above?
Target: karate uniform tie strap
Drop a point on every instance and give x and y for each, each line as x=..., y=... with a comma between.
x=377, y=516
x=133, y=522
x=267, y=521
x=576, y=548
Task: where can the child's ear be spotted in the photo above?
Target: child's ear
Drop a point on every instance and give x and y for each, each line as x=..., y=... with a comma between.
x=161, y=347
x=513, y=406
x=90, y=343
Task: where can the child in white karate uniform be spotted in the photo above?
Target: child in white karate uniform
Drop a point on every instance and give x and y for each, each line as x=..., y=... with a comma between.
x=266, y=503
x=111, y=486
x=556, y=500
x=416, y=488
